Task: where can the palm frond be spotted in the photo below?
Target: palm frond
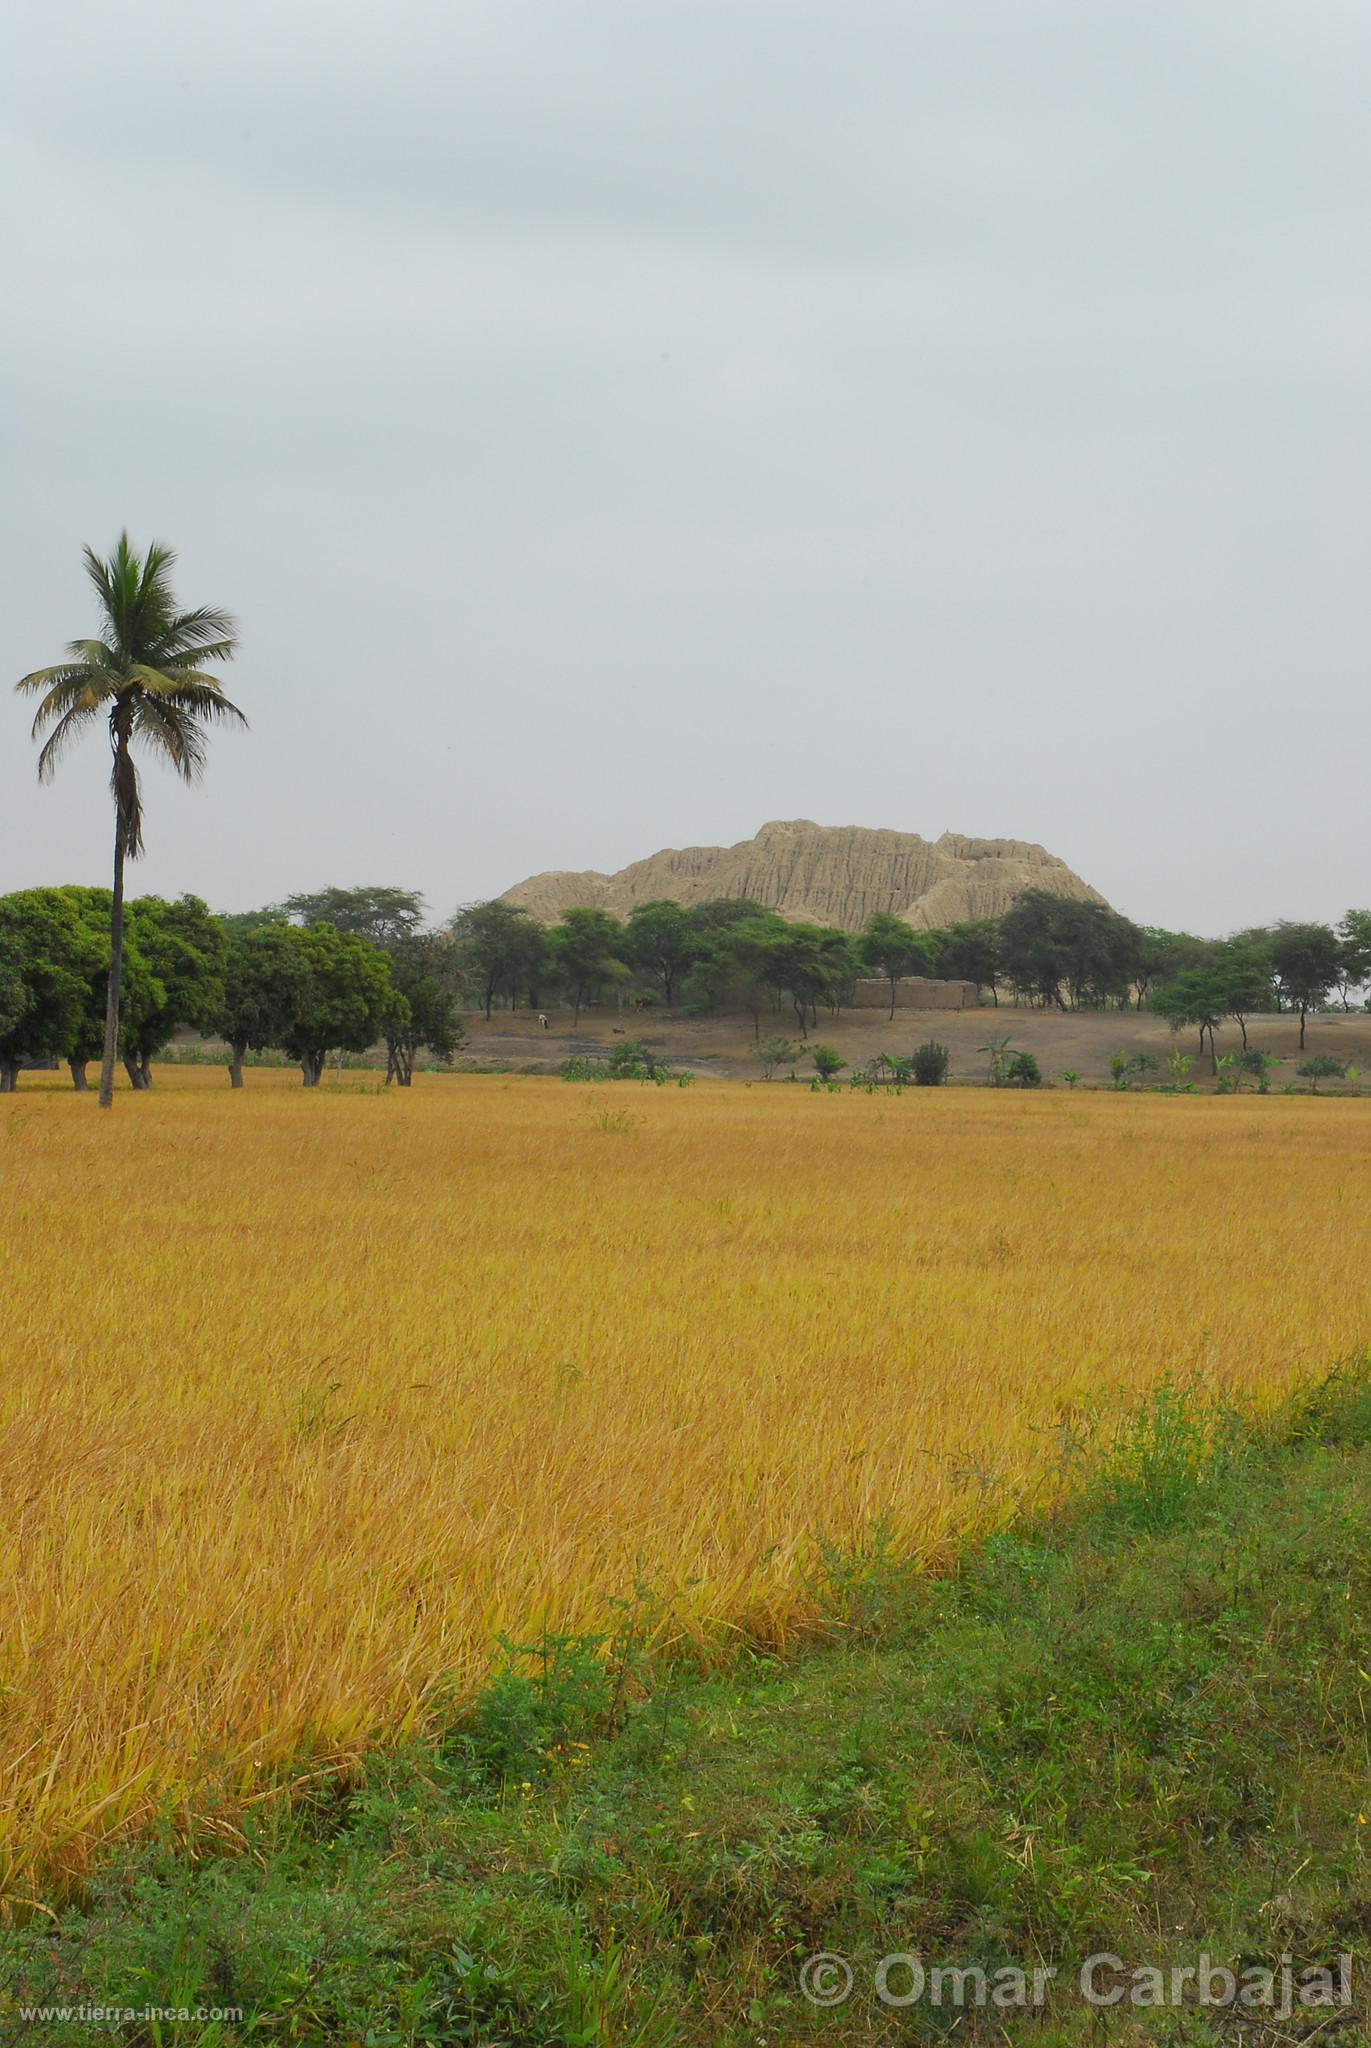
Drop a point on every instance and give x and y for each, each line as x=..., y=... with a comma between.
x=69, y=727
x=135, y=596
x=178, y=739
x=101, y=574
x=207, y=634
x=78, y=693
x=174, y=655
x=50, y=678
x=158, y=560
x=95, y=654
x=204, y=696
x=155, y=681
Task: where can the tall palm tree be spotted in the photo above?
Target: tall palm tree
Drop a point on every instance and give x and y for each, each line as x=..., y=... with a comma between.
x=145, y=678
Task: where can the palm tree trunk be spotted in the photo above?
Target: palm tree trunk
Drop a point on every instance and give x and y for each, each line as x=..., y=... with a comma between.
x=116, y=968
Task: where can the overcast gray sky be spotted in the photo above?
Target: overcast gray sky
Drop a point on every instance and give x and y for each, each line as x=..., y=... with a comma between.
x=619, y=422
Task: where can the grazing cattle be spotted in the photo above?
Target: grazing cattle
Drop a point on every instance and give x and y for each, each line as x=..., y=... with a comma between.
x=542, y=1019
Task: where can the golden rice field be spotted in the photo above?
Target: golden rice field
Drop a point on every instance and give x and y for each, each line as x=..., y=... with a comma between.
x=306, y=1396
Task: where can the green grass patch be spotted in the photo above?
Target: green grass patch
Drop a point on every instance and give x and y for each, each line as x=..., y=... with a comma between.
x=1136, y=1725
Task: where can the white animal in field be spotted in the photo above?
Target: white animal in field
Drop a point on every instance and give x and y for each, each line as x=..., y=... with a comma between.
x=542, y=1019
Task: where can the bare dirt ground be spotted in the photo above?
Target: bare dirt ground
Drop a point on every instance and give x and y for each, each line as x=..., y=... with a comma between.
x=1058, y=1040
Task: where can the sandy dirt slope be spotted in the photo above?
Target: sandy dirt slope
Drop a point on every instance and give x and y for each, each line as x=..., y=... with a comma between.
x=723, y=1045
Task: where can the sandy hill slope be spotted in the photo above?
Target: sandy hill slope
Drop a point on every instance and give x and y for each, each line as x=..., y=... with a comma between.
x=832, y=874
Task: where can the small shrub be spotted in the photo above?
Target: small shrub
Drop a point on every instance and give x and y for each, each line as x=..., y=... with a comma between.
x=828, y=1062
x=1166, y=1461
x=999, y=1050
x=1321, y=1067
x=632, y=1061
x=1335, y=1410
x=1024, y=1071
x=930, y=1062
x=614, y=1122
x=776, y=1052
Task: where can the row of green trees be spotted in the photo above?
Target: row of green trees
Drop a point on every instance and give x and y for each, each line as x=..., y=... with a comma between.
x=345, y=969
x=730, y=954
x=1045, y=951
x=264, y=984
x=1056, y=953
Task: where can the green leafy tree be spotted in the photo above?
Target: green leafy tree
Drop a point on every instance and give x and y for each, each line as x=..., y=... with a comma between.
x=11, y=1001
x=811, y=964
x=662, y=940
x=46, y=961
x=501, y=949
x=1306, y=959
x=384, y=915
x=182, y=947
x=266, y=970
x=1242, y=971
x=145, y=678
x=423, y=972
x=343, y=999
x=841, y=965
x=1354, y=953
x=586, y=950
x=1023, y=1071
x=1162, y=955
x=1057, y=949
x=234, y=923
x=970, y=951
x=139, y=993
x=1196, y=997
x=1321, y=1067
x=890, y=947
x=723, y=913
x=739, y=967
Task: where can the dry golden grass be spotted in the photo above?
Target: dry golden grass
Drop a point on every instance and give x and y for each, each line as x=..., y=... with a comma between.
x=306, y=1396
